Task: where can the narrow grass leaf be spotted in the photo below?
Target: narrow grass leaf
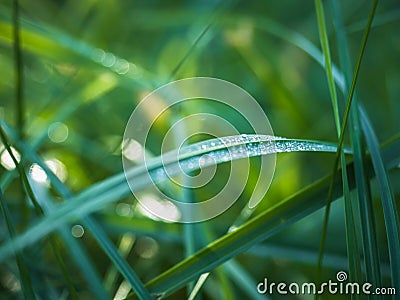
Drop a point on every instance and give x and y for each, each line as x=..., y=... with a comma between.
x=243, y=280
x=369, y=237
x=304, y=44
x=47, y=41
x=125, y=245
x=351, y=236
x=323, y=37
x=390, y=208
x=19, y=103
x=117, y=259
x=101, y=238
x=112, y=189
x=39, y=211
x=26, y=283
x=257, y=229
x=199, y=284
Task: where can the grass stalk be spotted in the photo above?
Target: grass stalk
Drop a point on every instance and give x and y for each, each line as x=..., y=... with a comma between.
x=369, y=235
x=26, y=283
x=19, y=87
x=39, y=211
x=343, y=128
x=351, y=233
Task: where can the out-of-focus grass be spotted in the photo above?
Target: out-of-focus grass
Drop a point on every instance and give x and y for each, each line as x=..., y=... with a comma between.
x=85, y=67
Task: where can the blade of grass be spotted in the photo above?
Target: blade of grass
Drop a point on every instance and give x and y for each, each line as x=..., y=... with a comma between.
x=112, y=189
x=379, y=20
x=19, y=103
x=39, y=211
x=197, y=287
x=243, y=280
x=257, y=229
x=100, y=236
x=82, y=260
x=323, y=37
x=231, y=268
x=224, y=284
x=26, y=283
x=19, y=85
x=216, y=13
x=304, y=44
x=342, y=131
x=94, y=89
x=49, y=42
x=124, y=247
x=117, y=259
x=191, y=49
x=390, y=209
x=369, y=237
x=306, y=201
x=351, y=236
x=78, y=254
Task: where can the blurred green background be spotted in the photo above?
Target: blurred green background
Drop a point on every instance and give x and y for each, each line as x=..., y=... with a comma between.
x=86, y=65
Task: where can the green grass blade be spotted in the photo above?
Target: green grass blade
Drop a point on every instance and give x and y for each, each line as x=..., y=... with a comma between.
x=117, y=259
x=343, y=128
x=125, y=245
x=197, y=287
x=39, y=211
x=78, y=254
x=231, y=268
x=112, y=189
x=54, y=44
x=101, y=237
x=351, y=233
x=19, y=103
x=390, y=208
x=310, y=49
x=257, y=229
x=370, y=243
x=26, y=283
x=189, y=52
x=323, y=37
x=243, y=280
x=379, y=20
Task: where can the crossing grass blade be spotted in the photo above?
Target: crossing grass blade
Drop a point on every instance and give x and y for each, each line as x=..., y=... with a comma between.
x=25, y=279
x=77, y=45
x=96, y=230
x=259, y=228
x=304, y=44
x=369, y=235
x=390, y=208
x=351, y=236
x=39, y=211
x=114, y=188
x=117, y=259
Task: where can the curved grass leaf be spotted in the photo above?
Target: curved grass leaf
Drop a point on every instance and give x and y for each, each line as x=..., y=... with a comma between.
x=96, y=230
x=19, y=103
x=390, y=208
x=369, y=237
x=26, y=283
x=258, y=229
x=78, y=254
x=39, y=211
x=351, y=236
x=46, y=41
x=112, y=189
x=391, y=216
